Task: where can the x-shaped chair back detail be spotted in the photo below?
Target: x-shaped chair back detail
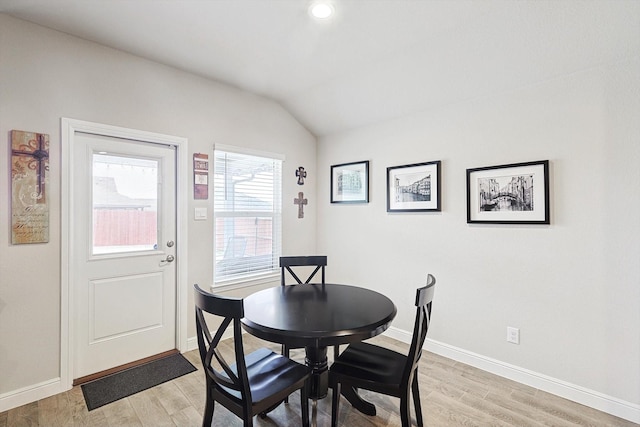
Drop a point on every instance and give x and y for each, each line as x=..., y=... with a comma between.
x=287, y=262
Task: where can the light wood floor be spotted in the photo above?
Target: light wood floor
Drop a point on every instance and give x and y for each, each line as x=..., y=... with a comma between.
x=453, y=394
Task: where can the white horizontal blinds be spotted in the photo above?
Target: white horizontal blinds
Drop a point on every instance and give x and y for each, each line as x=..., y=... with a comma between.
x=247, y=212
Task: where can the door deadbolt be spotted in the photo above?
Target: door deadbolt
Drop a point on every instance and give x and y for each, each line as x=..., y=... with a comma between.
x=170, y=244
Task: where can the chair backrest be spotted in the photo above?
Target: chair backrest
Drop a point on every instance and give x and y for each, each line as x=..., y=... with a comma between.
x=231, y=310
x=317, y=261
x=424, y=298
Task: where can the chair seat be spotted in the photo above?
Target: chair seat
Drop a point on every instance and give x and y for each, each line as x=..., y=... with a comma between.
x=364, y=363
x=269, y=374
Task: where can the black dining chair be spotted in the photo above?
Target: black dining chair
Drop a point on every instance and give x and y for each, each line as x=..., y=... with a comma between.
x=255, y=383
x=291, y=264
x=294, y=265
x=371, y=367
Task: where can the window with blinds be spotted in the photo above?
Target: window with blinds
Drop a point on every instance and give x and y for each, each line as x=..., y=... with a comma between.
x=247, y=214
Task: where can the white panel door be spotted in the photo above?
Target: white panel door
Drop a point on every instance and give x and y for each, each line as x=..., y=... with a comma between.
x=124, y=288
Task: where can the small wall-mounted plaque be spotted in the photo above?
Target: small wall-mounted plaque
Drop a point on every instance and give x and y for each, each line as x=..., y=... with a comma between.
x=200, y=176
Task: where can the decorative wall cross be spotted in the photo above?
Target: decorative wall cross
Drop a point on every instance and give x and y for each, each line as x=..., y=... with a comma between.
x=301, y=174
x=38, y=151
x=300, y=201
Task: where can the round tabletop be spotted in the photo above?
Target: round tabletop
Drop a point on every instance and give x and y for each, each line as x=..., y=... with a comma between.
x=317, y=315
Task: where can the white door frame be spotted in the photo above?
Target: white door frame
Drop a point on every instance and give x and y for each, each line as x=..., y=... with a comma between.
x=67, y=305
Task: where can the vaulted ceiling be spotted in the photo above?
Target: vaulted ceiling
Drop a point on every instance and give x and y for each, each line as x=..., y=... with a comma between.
x=375, y=60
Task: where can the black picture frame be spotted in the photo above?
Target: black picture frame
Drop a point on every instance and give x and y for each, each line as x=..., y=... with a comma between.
x=414, y=187
x=350, y=182
x=516, y=193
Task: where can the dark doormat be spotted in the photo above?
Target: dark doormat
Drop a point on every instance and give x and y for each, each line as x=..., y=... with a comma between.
x=131, y=381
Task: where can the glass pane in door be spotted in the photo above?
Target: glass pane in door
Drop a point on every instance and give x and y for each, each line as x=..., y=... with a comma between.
x=125, y=201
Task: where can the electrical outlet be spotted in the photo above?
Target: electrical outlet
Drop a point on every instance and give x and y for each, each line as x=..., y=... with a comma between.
x=513, y=335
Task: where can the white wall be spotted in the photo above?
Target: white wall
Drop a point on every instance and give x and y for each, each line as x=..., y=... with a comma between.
x=571, y=287
x=46, y=75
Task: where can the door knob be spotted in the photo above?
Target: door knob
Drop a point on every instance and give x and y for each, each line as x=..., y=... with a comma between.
x=170, y=258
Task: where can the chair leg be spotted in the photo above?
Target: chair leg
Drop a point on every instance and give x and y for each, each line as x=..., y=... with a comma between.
x=247, y=414
x=304, y=404
x=285, y=353
x=208, y=408
x=415, y=390
x=335, y=404
x=405, y=409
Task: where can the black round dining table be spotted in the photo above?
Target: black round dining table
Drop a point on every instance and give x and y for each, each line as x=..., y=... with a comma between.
x=316, y=316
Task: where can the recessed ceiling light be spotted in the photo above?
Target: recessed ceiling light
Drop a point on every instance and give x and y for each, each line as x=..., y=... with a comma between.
x=321, y=10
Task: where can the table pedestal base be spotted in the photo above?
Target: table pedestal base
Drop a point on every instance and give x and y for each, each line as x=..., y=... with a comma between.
x=351, y=394
x=316, y=359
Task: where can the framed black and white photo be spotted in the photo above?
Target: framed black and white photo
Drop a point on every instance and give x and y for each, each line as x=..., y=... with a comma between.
x=509, y=194
x=350, y=182
x=414, y=188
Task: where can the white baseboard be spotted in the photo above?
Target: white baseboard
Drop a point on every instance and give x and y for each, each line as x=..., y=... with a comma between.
x=29, y=394
x=192, y=343
x=594, y=399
